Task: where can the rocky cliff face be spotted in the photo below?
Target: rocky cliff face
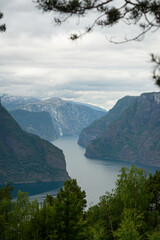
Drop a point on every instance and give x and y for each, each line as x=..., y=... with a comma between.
x=135, y=136
x=68, y=118
x=97, y=128
x=39, y=123
x=26, y=158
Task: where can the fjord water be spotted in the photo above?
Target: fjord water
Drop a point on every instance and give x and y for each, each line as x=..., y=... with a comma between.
x=94, y=176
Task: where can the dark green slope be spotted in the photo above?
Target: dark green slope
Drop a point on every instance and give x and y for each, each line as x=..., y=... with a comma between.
x=97, y=128
x=39, y=123
x=26, y=158
x=135, y=136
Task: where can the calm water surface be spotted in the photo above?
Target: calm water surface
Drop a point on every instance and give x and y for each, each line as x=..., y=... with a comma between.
x=94, y=176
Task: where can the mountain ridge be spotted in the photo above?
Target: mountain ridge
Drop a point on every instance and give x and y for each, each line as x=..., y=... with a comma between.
x=38, y=123
x=11, y=102
x=97, y=128
x=135, y=136
x=68, y=118
x=26, y=158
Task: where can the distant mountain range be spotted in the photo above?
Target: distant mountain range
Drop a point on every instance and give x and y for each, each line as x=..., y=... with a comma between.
x=15, y=102
x=129, y=132
x=97, y=128
x=26, y=158
x=134, y=136
x=68, y=118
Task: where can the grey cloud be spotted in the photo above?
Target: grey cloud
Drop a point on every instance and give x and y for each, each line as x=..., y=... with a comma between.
x=37, y=59
x=102, y=86
x=17, y=5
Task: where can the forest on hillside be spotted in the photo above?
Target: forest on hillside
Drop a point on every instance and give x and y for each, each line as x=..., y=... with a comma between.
x=130, y=212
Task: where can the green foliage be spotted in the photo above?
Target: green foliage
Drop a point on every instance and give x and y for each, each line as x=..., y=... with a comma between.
x=43, y=222
x=129, y=226
x=154, y=235
x=127, y=213
x=2, y=26
x=156, y=72
x=131, y=187
x=113, y=16
x=5, y=192
x=104, y=217
x=5, y=210
x=153, y=187
x=70, y=203
x=59, y=218
x=144, y=13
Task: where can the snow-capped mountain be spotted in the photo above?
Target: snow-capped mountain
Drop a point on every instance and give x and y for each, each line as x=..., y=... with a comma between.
x=15, y=102
x=68, y=118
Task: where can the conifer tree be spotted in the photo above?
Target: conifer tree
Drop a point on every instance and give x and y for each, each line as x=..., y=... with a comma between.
x=69, y=204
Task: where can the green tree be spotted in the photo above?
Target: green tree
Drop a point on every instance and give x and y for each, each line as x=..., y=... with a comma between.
x=153, y=187
x=154, y=235
x=42, y=223
x=104, y=217
x=126, y=207
x=130, y=226
x=22, y=212
x=6, y=206
x=131, y=188
x=6, y=191
x=70, y=204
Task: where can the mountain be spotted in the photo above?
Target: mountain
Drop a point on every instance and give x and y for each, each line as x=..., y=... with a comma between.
x=39, y=123
x=15, y=102
x=68, y=118
x=26, y=158
x=97, y=128
x=135, y=136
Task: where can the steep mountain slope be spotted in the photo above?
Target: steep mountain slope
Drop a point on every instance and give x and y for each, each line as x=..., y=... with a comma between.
x=135, y=136
x=97, y=128
x=15, y=102
x=39, y=123
x=26, y=158
x=68, y=118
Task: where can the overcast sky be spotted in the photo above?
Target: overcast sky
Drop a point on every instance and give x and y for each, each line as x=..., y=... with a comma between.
x=38, y=59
